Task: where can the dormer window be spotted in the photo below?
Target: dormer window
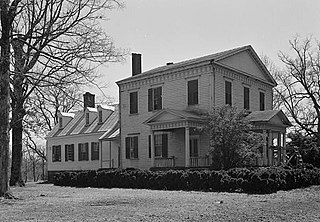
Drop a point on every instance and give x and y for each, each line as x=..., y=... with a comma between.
x=100, y=116
x=87, y=119
x=60, y=122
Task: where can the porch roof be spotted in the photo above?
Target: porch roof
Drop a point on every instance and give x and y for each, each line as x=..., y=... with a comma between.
x=171, y=118
x=273, y=117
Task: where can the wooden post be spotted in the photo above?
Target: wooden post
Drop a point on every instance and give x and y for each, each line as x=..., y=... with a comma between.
x=187, y=147
x=264, y=150
x=270, y=151
x=152, y=148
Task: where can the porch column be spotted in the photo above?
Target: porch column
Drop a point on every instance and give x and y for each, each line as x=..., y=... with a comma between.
x=264, y=150
x=284, y=148
x=187, y=147
x=152, y=148
x=279, y=148
x=270, y=151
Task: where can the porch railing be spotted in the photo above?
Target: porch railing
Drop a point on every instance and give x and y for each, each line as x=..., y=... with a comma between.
x=201, y=161
x=165, y=161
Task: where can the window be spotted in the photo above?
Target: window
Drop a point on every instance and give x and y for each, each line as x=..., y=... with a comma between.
x=262, y=102
x=246, y=98
x=161, y=145
x=228, y=90
x=100, y=116
x=94, y=151
x=87, y=118
x=69, y=152
x=194, y=148
x=149, y=145
x=193, y=92
x=133, y=102
x=132, y=147
x=56, y=153
x=155, y=99
x=60, y=122
x=83, y=151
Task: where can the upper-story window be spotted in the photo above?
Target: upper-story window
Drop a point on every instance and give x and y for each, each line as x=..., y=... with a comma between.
x=56, y=153
x=155, y=99
x=246, y=98
x=193, y=92
x=262, y=101
x=133, y=102
x=228, y=93
x=100, y=116
x=87, y=118
x=69, y=152
x=60, y=122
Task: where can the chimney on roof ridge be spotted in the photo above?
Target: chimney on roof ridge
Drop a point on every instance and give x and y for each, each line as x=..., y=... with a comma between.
x=88, y=100
x=136, y=64
x=169, y=63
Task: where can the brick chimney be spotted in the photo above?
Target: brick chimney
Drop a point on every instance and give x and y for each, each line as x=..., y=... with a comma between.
x=136, y=64
x=88, y=100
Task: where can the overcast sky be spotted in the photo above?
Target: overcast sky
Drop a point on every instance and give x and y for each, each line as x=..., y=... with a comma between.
x=176, y=30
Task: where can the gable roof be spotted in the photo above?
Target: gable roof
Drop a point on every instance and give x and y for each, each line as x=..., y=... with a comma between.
x=216, y=57
x=267, y=115
x=77, y=125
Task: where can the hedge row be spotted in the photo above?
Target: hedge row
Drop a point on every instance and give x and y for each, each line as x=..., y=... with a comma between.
x=254, y=180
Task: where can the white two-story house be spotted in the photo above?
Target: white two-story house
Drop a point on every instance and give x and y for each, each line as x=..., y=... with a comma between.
x=158, y=122
x=84, y=140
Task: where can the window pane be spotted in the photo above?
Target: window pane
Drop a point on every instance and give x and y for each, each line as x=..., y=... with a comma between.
x=133, y=102
x=157, y=100
x=193, y=92
x=262, y=102
x=246, y=97
x=228, y=90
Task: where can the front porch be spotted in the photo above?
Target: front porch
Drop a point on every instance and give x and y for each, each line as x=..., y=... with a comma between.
x=176, y=140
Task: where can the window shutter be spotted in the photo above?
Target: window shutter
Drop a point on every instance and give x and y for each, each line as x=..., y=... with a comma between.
x=87, y=151
x=127, y=147
x=59, y=153
x=135, y=147
x=79, y=151
x=72, y=152
x=92, y=151
x=149, y=143
x=66, y=152
x=150, y=100
x=53, y=153
x=164, y=145
x=158, y=98
x=228, y=93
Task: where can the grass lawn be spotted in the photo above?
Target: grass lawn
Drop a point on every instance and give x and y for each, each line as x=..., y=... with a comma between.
x=45, y=202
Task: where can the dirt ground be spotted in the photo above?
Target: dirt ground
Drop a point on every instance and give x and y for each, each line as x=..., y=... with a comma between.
x=45, y=202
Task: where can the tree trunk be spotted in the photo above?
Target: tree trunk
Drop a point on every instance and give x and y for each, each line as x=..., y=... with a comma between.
x=17, y=128
x=4, y=97
x=18, y=113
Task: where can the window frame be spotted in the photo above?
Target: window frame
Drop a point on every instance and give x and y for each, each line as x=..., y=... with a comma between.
x=227, y=94
x=193, y=93
x=56, y=156
x=132, y=147
x=161, y=145
x=100, y=116
x=87, y=118
x=133, y=102
x=69, y=152
x=83, y=156
x=95, y=154
x=246, y=98
x=262, y=101
x=155, y=98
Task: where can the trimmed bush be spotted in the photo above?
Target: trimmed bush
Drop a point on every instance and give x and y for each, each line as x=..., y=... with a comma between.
x=249, y=180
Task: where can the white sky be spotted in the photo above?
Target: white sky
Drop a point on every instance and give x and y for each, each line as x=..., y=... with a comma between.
x=176, y=30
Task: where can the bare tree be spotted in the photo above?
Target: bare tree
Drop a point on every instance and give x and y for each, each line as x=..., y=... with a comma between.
x=7, y=13
x=55, y=43
x=299, y=85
